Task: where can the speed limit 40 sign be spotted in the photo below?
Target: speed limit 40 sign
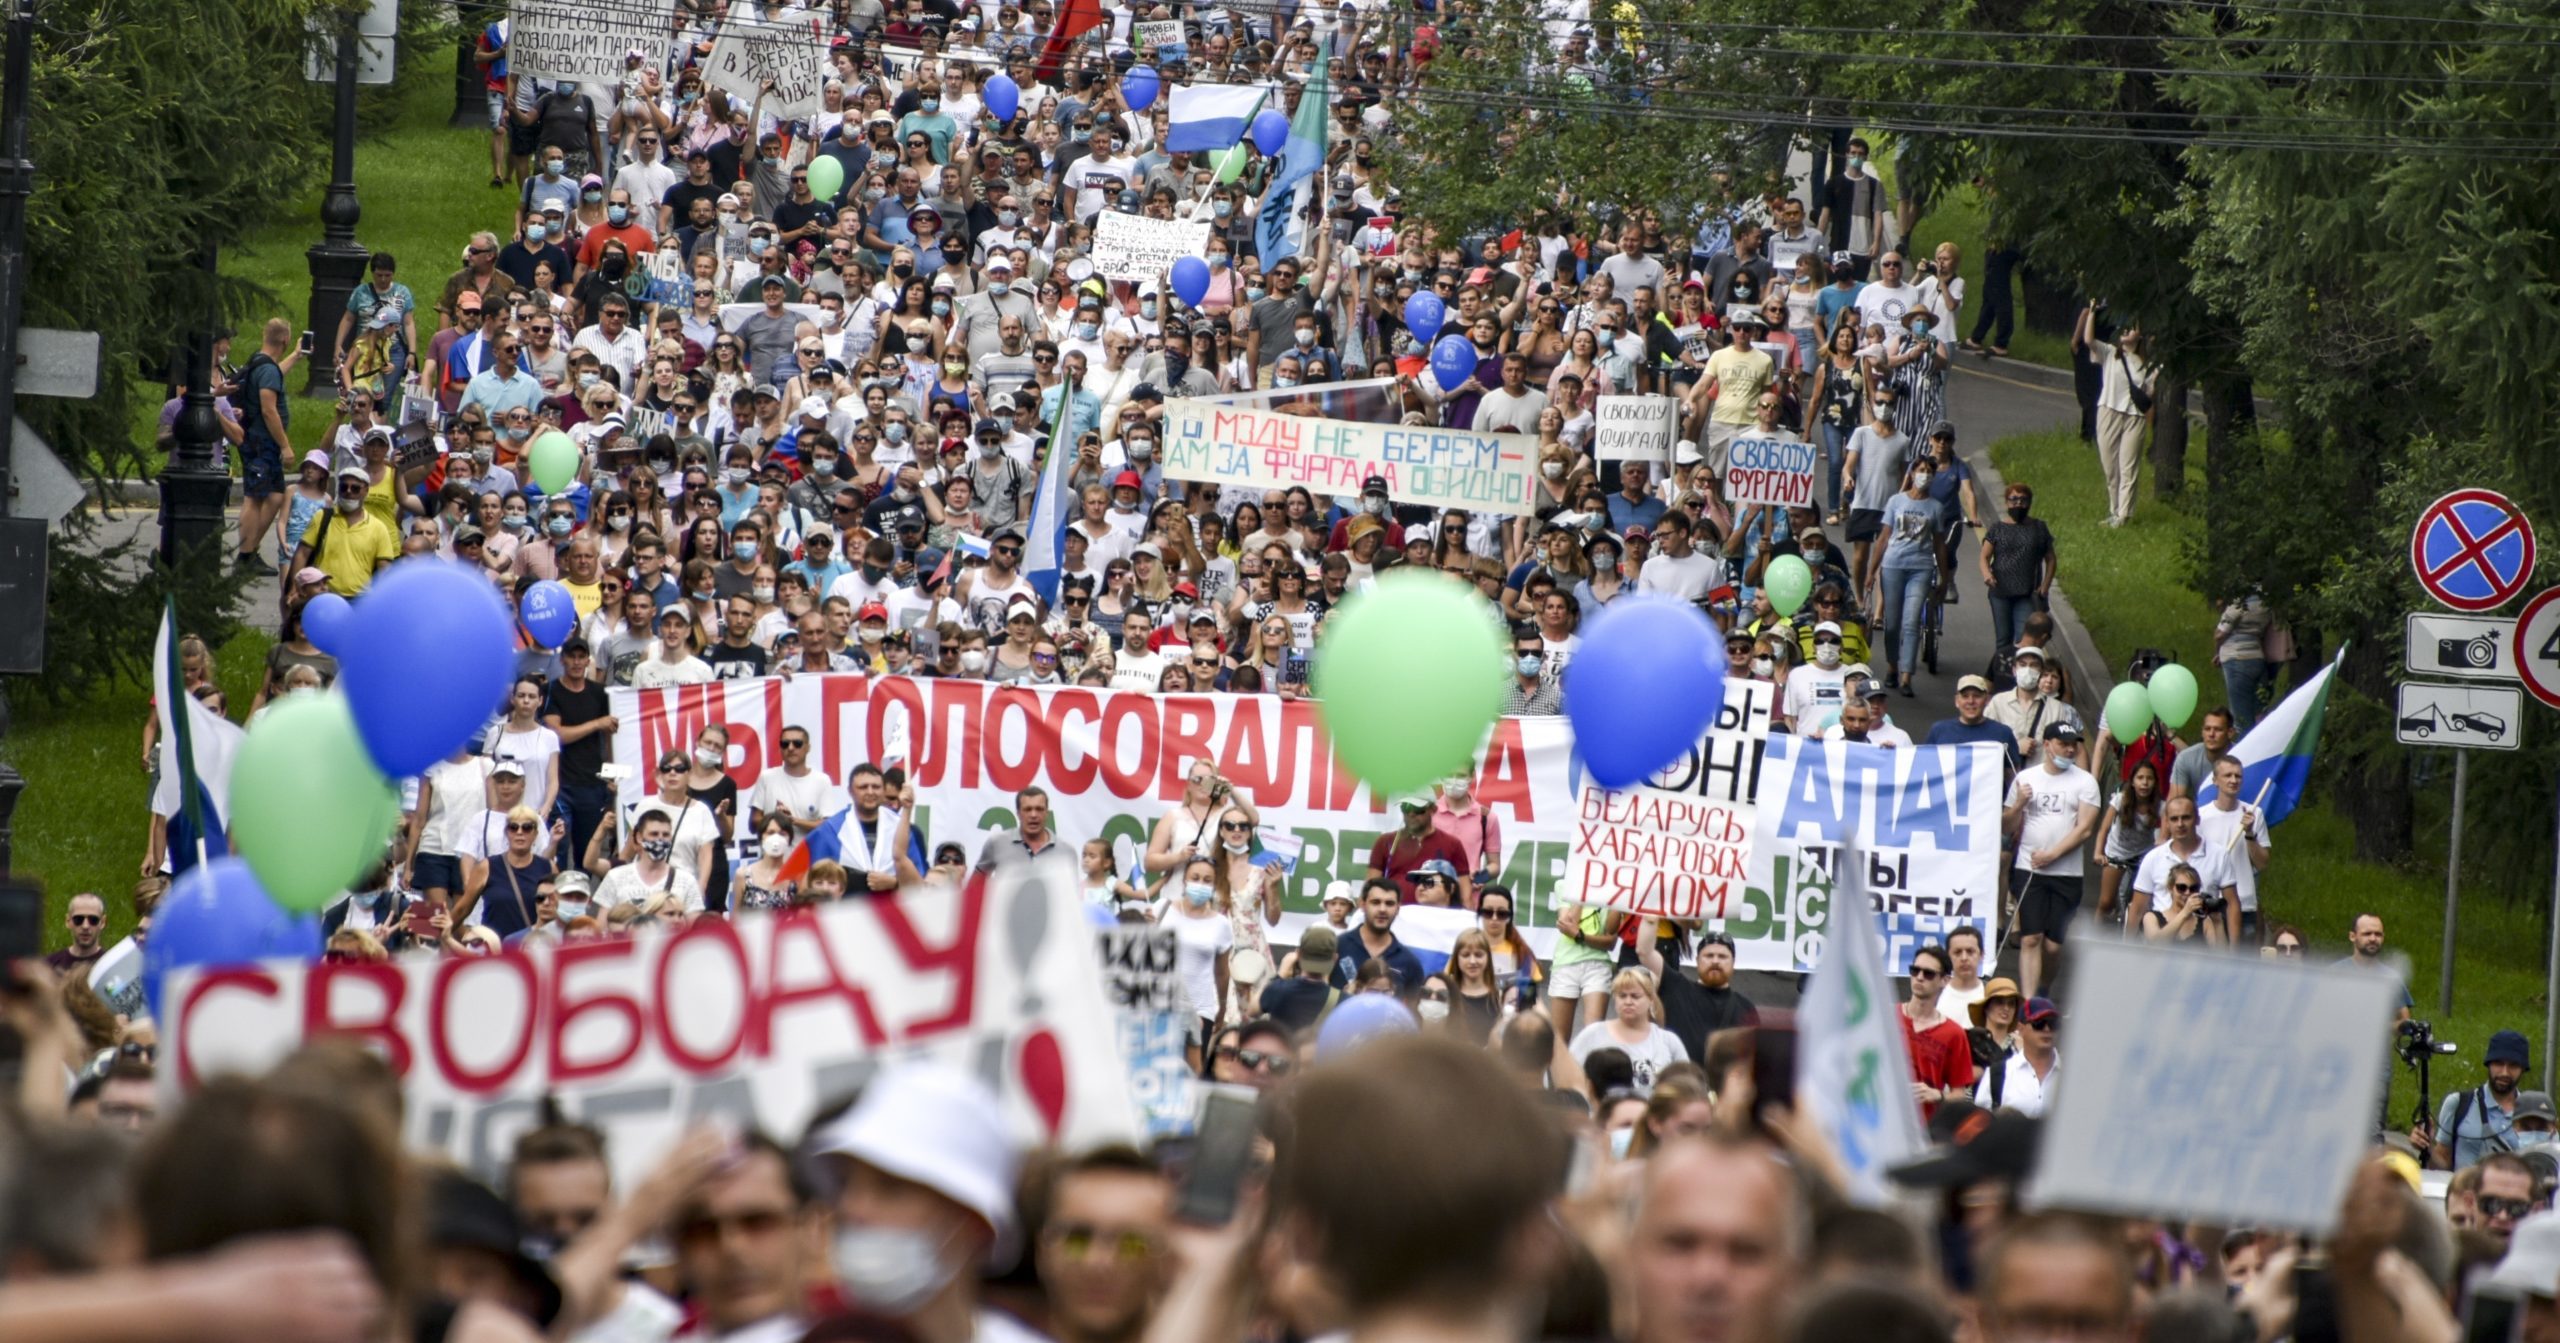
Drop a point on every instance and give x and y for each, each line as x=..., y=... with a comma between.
x=2537, y=647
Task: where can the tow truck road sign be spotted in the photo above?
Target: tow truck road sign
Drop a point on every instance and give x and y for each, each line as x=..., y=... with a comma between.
x=2489, y=717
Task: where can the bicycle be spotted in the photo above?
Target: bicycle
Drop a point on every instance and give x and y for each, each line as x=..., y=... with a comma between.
x=1933, y=608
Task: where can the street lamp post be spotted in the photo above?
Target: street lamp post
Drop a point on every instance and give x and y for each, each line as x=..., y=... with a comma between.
x=337, y=260
x=195, y=486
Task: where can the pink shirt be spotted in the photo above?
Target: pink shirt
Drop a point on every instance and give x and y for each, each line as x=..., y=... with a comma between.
x=1475, y=830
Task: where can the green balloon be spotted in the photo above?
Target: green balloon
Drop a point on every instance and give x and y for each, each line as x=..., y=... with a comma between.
x=1231, y=163
x=2128, y=711
x=1789, y=581
x=1407, y=678
x=308, y=810
x=553, y=459
x=826, y=177
x=2173, y=695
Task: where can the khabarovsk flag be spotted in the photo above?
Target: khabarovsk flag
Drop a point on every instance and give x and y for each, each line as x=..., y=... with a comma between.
x=1853, y=1078
x=196, y=747
x=1275, y=234
x=1044, y=544
x=1203, y=117
x=2275, y=758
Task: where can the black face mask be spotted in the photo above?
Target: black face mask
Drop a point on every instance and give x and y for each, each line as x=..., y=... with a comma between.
x=2017, y=512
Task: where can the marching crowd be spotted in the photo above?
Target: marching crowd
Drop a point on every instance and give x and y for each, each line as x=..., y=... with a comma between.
x=816, y=369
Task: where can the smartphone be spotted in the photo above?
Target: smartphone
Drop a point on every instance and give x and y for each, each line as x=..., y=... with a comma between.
x=2492, y=1313
x=21, y=926
x=304, y=345
x=2315, y=1303
x=1773, y=1062
x=1222, y=1155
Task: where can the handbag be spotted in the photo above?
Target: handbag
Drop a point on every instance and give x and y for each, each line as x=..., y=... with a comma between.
x=2133, y=389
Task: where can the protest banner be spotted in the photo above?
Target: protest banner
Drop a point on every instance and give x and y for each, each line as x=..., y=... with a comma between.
x=2242, y=1093
x=1163, y=38
x=1772, y=471
x=758, y=1020
x=1635, y=428
x=1112, y=762
x=1132, y=247
x=1676, y=846
x=562, y=40
x=1142, y=979
x=1263, y=450
x=750, y=55
x=1853, y=1068
x=1927, y=822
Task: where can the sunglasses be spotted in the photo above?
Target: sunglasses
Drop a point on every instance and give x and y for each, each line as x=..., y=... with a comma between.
x=521, y=827
x=1278, y=1064
x=671, y=769
x=87, y=920
x=1128, y=1247
x=2504, y=1207
x=790, y=745
x=2040, y=1024
x=1918, y=974
x=1235, y=827
x=2185, y=887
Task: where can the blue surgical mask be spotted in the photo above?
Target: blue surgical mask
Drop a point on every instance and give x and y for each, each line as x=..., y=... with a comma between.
x=942, y=307
x=1199, y=893
x=930, y=105
x=1222, y=209
x=1008, y=218
x=1531, y=664
x=558, y=526
x=1147, y=307
x=536, y=232
x=516, y=522
x=617, y=215
x=1253, y=293
x=1088, y=330
x=1278, y=381
x=552, y=167
x=744, y=551
x=591, y=197
x=1217, y=261
x=822, y=466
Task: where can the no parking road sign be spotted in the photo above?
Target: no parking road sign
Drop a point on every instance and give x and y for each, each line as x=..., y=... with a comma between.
x=2472, y=549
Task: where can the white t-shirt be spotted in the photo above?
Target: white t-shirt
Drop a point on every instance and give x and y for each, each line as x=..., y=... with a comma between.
x=461, y=791
x=485, y=836
x=536, y=750
x=1660, y=1050
x=2220, y=832
x=1883, y=305
x=695, y=827
x=655, y=671
x=811, y=793
x=2054, y=801
x=1136, y=671
x=2152, y=877
x=1198, y=944
x=623, y=885
x=1812, y=690
x=1688, y=577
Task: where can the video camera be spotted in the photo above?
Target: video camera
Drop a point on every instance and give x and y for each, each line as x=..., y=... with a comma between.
x=2417, y=1043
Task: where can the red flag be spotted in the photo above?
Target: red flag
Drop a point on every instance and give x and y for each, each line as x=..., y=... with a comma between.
x=1074, y=20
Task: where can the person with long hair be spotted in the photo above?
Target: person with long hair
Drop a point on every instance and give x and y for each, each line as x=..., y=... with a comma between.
x=1674, y=1110
x=1252, y=901
x=1582, y=361
x=2130, y=829
x=1497, y=914
x=760, y=884
x=1633, y=1026
x=1478, y=997
x=1203, y=935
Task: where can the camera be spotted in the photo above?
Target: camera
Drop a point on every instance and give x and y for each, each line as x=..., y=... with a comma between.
x=2478, y=651
x=2417, y=1042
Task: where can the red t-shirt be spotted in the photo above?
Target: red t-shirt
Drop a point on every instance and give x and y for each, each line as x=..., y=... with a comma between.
x=1397, y=854
x=1941, y=1057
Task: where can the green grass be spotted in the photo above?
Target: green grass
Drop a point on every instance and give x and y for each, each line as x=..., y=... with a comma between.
x=423, y=188
x=2127, y=585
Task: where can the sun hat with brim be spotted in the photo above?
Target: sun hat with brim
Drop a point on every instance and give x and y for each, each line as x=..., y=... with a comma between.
x=934, y=1125
x=1992, y=990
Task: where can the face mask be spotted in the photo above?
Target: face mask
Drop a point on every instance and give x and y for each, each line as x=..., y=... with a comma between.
x=1147, y=307
x=351, y=507
x=1008, y=218
x=573, y=909
x=1432, y=1011
x=516, y=522
x=1884, y=410
x=1253, y=293
x=873, y=573
x=1826, y=656
x=1920, y=479
x=763, y=596
x=585, y=381
x=1088, y=330
x=592, y=197
x=1920, y=326
x=931, y=104
x=1619, y=1141
x=1531, y=664
x=973, y=661
x=942, y=307
x=999, y=288
x=1278, y=381
x=896, y=433
x=1237, y=845
x=1306, y=337
x=1140, y=449
x=873, y=635
x=519, y=434
x=758, y=245
x=1857, y=161
x=534, y=233
x=743, y=551
x=2017, y=512
x=734, y=475
x=822, y=466
x=1218, y=260
x=1222, y=209
x=558, y=526
x=990, y=451
x=617, y=215
x=701, y=595
x=620, y=522
x=891, y=1270
x=1762, y=666
x=1198, y=894
x=658, y=848
x=1553, y=470
x=1376, y=507
x=552, y=167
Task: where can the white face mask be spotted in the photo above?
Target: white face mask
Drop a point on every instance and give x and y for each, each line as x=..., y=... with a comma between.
x=1238, y=845
x=1432, y=1011
x=973, y=661
x=1620, y=1140
x=2027, y=676
x=890, y=1269
x=774, y=846
x=1762, y=666
x=1884, y=410
x=1826, y=656
x=1553, y=470
x=573, y=909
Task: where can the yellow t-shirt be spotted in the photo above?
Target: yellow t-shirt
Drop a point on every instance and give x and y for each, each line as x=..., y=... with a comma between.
x=1740, y=374
x=352, y=550
x=383, y=499
x=587, y=596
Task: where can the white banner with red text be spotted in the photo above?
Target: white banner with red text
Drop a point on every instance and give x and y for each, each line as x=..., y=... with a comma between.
x=756, y=1021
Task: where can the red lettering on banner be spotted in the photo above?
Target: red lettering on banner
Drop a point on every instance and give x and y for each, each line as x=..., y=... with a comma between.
x=665, y=1002
x=698, y=707
x=897, y=692
x=777, y=996
x=942, y=741
x=1073, y=778
x=1504, y=780
x=1014, y=775
x=440, y=1035
x=835, y=692
x=1306, y=770
x=1247, y=762
x=320, y=1008
x=959, y=958
x=1188, y=721
x=658, y=733
x=245, y=979
x=1139, y=778
x=564, y=1012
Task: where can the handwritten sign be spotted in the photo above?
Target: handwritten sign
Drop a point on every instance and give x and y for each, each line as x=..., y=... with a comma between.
x=1142, y=978
x=560, y=40
x=1263, y=450
x=2242, y=1094
x=763, y=1019
x=1132, y=247
x=1676, y=846
x=1771, y=471
x=749, y=55
x=1162, y=37
x=1634, y=428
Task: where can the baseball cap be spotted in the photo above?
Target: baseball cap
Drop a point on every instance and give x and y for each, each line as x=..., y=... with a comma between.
x=2062, y=731
x=1826, y=627
x=815, y=406
x=1000, y=261
x=2536, y=1105
x=574, y=882
x=1978, y=1146
x=872, y=611
x=1842, y=259
x=1437, y=867
x=308, y=575
x=1130, y=479
x=1965, y=683
x=1319, y=948
x=467, y=301
x=506, y=765
x=1023, y=609
x=2039, y=1009
x=1374, y=485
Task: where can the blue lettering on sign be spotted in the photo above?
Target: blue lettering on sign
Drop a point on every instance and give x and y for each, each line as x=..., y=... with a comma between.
x=1890, y=796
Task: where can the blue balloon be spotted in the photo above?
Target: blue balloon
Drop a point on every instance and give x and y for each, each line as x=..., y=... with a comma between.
x=1138, y=87
x=549, y=612
x=1644, y=687
x=1190, y=280
x=1270, y=131
x=1423, y=314
x=1003, y=97
x=218, y=914
x=1360, y=1018
x=1453, y=361
x=429, y=659
x=325, y=619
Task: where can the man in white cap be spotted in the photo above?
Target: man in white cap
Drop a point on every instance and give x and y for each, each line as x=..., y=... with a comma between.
x=1814, y=691
x=980, y=319
x=923, y=1202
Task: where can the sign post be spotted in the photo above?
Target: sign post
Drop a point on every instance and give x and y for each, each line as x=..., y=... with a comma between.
x=2466, y=718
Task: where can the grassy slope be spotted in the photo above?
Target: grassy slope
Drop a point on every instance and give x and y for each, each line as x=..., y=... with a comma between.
x=2116, y=579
